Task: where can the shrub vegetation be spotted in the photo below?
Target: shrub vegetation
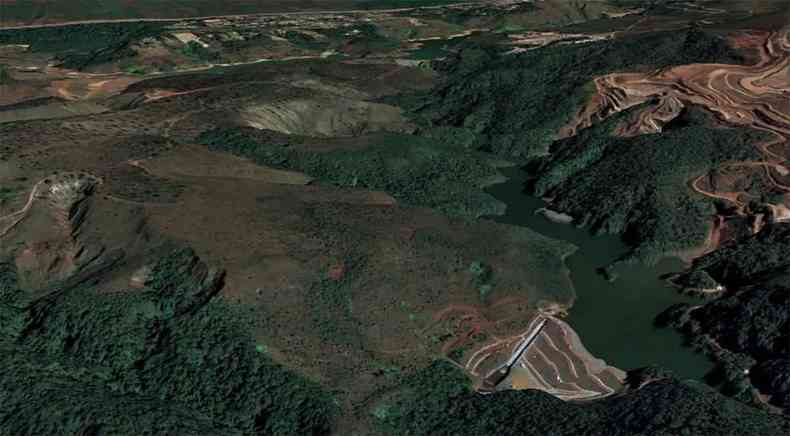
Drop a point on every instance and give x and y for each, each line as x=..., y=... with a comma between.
x=414, y=170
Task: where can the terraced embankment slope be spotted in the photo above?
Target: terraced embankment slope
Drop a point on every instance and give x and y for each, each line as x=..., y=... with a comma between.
x=755, y=96
x=554, y=361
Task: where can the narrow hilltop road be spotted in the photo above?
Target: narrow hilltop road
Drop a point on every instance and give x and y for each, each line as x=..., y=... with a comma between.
x=10, y=221
x=755, y=96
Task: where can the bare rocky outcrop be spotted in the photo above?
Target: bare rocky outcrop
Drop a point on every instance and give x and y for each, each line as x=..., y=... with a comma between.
x=754, y=95
x=326, y=115
x=66, y=196
x=555, y=362
x=53, y=251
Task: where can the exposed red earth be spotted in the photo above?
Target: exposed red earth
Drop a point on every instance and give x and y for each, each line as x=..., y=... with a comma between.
x=755, y=96
x=554, y=360
x=224, y=191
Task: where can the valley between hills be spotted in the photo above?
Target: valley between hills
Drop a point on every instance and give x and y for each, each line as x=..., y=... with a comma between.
x=418, y=218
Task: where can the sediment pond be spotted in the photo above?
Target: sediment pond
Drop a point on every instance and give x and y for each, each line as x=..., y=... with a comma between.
x=613, y=319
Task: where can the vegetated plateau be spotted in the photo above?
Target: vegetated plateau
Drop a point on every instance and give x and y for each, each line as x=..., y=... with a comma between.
x=336, y=187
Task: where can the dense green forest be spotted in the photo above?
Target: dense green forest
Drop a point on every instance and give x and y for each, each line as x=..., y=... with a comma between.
x=439, y=401
x=170, y=359
x=83, y=45
x=638, y=186
x=759, y=258
x=750, y=323
x=414, y=170
x=513, y=105
x=746, y=331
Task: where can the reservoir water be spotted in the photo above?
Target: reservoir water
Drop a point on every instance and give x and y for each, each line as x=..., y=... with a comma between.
x=614, y=320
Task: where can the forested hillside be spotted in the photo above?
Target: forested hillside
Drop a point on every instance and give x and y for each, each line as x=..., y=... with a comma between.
x=173, y=359
x=414, y=170
x=748, y=328
x=438, y=402
x=514, y=104
x=638, y=186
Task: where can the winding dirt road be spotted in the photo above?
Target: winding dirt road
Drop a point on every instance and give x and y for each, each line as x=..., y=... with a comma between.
x=10, y=221
x=755, y=96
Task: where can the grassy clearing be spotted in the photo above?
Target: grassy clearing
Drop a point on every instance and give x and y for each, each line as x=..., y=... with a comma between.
x=539, y=274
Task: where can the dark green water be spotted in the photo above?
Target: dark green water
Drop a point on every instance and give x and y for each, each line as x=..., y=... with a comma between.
x=614, y=320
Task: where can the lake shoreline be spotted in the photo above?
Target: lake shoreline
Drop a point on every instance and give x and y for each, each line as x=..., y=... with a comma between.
x=615, y=321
